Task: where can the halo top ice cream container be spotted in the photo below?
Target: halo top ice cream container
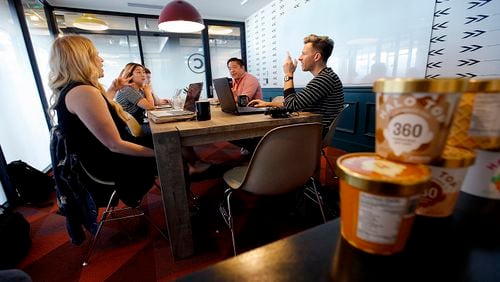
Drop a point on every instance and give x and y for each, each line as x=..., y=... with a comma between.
x=414, y=117
x=477, y=121
x=378, y=198
x=448, y=173
x=483, y=178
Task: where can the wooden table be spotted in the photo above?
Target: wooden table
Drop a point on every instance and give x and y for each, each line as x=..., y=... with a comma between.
x=463, y=247
x=168, y=139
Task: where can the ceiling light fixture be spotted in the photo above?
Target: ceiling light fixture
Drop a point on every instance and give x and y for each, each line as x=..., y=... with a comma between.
x=243, y=2
x=220, y=30
x=181, y=17
x=90, y=22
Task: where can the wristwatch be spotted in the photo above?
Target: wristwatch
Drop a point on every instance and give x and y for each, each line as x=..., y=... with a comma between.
x=287, y=78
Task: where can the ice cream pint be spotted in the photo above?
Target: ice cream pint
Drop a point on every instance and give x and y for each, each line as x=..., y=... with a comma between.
x=476, y=122
x=378, y=198
x=413, y=117
x=483, y=178
x=440, y=197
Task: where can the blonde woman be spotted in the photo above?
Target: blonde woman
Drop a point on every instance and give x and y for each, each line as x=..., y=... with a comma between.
x=95, y=128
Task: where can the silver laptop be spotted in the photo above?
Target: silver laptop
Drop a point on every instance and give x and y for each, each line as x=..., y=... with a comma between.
x=226, y=99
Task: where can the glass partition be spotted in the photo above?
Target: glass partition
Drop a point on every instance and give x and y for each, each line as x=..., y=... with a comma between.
x=25, y=134
x=118, y=45
x=175, y=59
x=40, y=38
x=225, y=43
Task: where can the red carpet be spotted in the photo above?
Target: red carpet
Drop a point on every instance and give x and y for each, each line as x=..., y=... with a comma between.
x=129, y=250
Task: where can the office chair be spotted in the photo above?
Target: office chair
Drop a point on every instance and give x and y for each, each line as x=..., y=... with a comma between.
x=111, y=213
x=327, y=140
x=75, y=199
x=281, y=163
x=310, y=190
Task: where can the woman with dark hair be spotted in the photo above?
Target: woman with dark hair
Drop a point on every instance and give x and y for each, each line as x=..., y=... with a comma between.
x=138, y=96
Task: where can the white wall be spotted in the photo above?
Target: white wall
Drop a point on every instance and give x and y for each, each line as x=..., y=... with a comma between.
x=387, y=38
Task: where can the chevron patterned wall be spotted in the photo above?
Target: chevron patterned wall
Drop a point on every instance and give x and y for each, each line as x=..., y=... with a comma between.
x=465, y=40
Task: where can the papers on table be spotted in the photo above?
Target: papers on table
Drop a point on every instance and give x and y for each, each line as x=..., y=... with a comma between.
x=161, y=116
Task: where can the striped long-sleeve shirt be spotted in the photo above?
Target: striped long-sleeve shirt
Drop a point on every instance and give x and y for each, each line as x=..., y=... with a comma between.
x=323, y=95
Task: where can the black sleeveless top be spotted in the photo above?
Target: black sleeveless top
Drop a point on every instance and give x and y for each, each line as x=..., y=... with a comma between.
x=96, y=157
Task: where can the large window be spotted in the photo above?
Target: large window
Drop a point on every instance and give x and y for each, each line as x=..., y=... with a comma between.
x=175, y=59
x=25, y=133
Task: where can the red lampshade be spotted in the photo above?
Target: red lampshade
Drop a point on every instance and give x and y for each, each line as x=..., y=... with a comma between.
x=180, y=16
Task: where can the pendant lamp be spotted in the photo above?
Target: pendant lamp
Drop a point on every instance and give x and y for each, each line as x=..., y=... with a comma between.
x=90, y=22
x=181, y=17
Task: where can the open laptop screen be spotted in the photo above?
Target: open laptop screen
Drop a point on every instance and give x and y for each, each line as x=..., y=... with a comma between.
x=193, y=95
x=225, y=95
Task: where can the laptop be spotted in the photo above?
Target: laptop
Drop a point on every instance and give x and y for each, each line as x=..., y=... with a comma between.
x=226, y=99
x=193, y=95
x=188, y=112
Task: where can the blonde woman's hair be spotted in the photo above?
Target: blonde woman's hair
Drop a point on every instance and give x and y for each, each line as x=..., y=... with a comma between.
x=73, y=59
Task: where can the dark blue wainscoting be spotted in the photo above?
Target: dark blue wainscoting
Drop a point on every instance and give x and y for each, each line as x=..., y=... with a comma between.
x=356, y=128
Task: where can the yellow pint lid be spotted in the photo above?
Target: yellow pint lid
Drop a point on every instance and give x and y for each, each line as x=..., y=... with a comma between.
x=372, y=173
x=409, y=85
x=453, y=157
x=484, y=85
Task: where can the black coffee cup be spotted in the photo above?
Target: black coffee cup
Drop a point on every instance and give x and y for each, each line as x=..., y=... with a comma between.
x=243, y=100
x=203, y=110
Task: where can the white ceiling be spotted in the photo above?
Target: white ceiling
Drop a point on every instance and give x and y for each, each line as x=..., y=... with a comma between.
x=209, y=9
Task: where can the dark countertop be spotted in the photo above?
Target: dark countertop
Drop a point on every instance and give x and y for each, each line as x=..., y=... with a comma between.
x=463, y=247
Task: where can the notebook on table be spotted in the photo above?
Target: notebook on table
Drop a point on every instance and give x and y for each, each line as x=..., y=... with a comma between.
x=226, y=99
x=188, y=112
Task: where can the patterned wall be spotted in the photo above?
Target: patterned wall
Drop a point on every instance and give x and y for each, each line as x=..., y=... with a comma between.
x=261, y=35
x=465, y=40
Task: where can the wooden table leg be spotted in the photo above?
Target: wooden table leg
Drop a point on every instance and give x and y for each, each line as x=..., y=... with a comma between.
x=173, y=192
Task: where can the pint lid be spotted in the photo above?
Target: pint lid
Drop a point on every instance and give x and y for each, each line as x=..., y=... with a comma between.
x=484, y=85
x=408, y=85
x=370, y=172
x=454, y=157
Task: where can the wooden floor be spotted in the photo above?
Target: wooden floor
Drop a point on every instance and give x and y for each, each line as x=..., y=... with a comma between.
x=133, y=250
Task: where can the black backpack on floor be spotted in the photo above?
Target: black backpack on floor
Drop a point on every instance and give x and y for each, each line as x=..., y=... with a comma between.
x=15, y=239
x=33, y=186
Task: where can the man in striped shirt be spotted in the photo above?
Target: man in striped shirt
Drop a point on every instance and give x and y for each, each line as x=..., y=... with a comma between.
x=324, y=94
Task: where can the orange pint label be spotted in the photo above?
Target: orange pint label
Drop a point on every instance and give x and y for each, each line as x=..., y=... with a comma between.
x=373, y=223
x=379, y=217
x=378, y=198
